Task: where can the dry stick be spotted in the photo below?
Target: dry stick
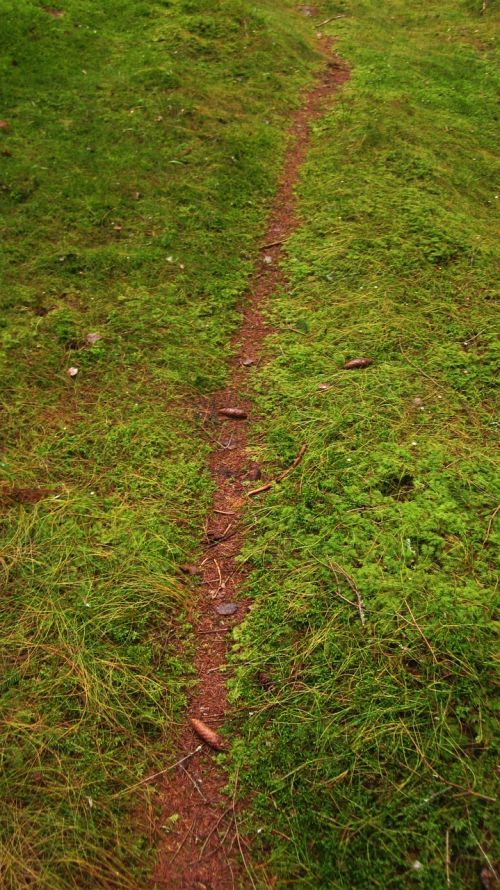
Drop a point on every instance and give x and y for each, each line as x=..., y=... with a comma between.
x=332, y=19
x=334, y=566
x=273, y=244
x=282, y=476
x=215, y=827
x=160, y=773
x=195, y=783
x=238, y=838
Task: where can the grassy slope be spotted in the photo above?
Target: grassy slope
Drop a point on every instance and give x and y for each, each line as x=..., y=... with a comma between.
x=143, y=144
x=363, y=755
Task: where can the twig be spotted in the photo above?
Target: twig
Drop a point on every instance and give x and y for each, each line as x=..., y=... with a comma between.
x=183, y=841
x=490, y=524
x=359, y=605
x=214, y=828
x=238, y=838
x=282, y=476
x=160, y=773
x=217, y=630
x=273, y=244
x=341, y=15
x=195, y=783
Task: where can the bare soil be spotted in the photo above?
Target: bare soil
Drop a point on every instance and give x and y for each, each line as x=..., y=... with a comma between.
x=203, y=850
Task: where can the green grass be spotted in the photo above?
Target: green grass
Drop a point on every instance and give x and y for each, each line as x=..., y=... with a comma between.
x=369, y=750
x=143, y=147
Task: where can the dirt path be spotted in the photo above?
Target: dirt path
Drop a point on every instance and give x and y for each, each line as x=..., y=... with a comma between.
x=204, y=850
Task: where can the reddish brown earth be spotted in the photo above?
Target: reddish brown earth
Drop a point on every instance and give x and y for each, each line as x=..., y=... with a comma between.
x=204, y=849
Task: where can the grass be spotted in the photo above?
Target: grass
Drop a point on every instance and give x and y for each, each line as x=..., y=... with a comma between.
x=367, y=752
x=142, y=149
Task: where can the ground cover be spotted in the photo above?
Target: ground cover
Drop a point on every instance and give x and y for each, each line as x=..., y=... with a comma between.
x=140, y=145
x=365, y=664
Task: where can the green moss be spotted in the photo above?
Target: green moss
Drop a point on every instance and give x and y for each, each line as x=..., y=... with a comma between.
x=371, y=746
x=142, y=151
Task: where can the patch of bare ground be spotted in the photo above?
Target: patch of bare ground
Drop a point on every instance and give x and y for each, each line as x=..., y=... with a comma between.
x=203, y=849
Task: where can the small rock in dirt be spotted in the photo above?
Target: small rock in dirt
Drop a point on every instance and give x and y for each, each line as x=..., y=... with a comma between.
x=264, y=680
x=268, y=260
x=254, y=473
x=488, y=880
x=233, y=413
x=226, y=608
x=355, y=363
x=246, y=362
x=226, y=473
x=92, y=338
x=324, y=386
x=190, y=570
x=72, y=372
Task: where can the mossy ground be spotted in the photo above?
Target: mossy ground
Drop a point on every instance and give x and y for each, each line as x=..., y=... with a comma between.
x=368, y=750
x=142, y=149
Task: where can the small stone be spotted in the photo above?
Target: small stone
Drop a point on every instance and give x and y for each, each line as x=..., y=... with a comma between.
x=72, y=372
x=418, y=402
x=191, y=569
x=246, y=362
x=254, y=473
x=92, y=338
x=226, y=608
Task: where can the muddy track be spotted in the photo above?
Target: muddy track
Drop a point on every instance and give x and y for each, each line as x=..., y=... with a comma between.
x=204, y=850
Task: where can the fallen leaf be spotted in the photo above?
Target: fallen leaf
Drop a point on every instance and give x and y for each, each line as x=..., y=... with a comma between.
x=355, y=363
x=208, y=735
x=92, y=338
x=72, y=372
x=234, y=413
x=226, y=608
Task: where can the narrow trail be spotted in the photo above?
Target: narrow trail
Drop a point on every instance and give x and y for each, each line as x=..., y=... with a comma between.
x=204, y=850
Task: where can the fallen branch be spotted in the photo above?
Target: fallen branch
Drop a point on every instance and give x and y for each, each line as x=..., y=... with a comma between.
x=282, y=476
